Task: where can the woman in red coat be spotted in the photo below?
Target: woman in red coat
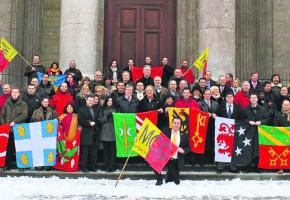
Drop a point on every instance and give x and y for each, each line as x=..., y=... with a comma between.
x=61, y=99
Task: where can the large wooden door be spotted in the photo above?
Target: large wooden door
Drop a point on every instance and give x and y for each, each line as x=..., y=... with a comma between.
x=139, y=28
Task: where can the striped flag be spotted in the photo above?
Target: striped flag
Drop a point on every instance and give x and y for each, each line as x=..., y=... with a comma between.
x=7, y=53
x=274, y=147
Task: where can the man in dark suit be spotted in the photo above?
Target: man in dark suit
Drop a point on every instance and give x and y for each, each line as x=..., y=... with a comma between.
x=231, y=111
x=224, y=89
x=87, y=119
x=255, y=84
x=177, y=160
x=209, y=81
x=210, y=106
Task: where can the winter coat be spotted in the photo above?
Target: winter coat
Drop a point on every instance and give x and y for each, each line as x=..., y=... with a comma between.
x=47, y=90
x=190, y=103
x=107, y=124
x=145, y=105
x=89, y=136
x=242, y=99
x=38, y=114
x=33, y=102
x=16, y=113
x=76, y=73
x=125, y=106
x=33, y=74
x=60, y=100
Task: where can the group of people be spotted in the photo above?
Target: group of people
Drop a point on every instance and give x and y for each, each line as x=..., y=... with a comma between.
x=89, y=105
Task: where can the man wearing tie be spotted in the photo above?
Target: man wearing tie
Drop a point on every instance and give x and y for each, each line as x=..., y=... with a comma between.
x=177, y=160
x=230, y=111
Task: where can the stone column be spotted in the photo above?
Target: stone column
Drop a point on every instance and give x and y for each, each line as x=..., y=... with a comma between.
x=217, y=32
x=78, y=33
x=187, y=31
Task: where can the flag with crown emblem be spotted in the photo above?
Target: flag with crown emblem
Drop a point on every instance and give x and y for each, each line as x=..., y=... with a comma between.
x=35, y=143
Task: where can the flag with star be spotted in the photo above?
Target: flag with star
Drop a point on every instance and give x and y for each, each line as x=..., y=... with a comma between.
x=274, y=147
x=243, y=151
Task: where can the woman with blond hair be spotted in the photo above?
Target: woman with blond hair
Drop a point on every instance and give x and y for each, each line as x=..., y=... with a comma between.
x=82, y=96
x=236, y=86
x=215, y=95
x=101, y=92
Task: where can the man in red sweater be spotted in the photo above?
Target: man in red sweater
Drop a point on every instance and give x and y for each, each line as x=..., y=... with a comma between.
x=242, y=98
x=186, y=101
x=5, y=95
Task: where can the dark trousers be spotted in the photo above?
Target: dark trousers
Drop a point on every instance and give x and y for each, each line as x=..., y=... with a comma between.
x=10, y=155
x=172, y=170
x=221, y=166
x=88, y=156
x=109, y=156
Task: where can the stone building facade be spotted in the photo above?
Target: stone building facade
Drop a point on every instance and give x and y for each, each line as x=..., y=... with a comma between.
x=242, y=35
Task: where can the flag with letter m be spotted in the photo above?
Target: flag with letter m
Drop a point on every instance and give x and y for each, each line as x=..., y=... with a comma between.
x=35, y=143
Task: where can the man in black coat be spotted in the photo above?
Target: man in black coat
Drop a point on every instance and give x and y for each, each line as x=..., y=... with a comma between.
x=146, y=79
x=32, y=100
x=127, y=103
x=255, y=84
x=76, y=73
x=32, y=69
x=209, y=106
x=176, y=163
x=224, y=89
x=230, y=111
x=255, y=115
x=87, y=119
x=167, y=72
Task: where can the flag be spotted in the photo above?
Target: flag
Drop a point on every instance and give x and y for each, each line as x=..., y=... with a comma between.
x=274, y=147
x=4, y=136
x=68, y=152
x=154, y=146
x=7, y=53
x=35, y=143
x=140, y=117
x=126, y=125
x=55, y=80
x=201, y=62
x=137, y=72
x=224, y=139
x=244, y=138
x=183, y=114
x=125, y=133
x=198, y=122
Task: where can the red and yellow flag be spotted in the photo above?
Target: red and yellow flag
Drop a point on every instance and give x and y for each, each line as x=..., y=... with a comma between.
x=7, y=53
x=198, y=122
x=201, y=62
x=153, y=146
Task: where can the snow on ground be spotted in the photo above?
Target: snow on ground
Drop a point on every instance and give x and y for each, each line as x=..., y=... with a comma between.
x=83, y=188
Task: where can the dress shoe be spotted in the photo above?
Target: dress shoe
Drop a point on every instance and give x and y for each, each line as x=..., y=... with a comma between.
x=85, y=170
x=219, y=171
x=167, y=180
x=158, y=183
x=235, y=171
x=93, y=169
x=177, y=182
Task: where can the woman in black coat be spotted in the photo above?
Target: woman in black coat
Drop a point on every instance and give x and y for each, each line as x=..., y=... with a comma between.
x=88, y=120
x=108, y=135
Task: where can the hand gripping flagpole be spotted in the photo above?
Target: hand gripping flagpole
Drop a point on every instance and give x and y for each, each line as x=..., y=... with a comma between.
x=124, y=167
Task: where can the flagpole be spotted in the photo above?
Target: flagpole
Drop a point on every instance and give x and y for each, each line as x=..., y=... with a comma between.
x=24, y=59
x=123, y=167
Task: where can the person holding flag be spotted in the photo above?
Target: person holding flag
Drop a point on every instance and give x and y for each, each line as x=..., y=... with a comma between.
x=32, y=69
x=176, y=163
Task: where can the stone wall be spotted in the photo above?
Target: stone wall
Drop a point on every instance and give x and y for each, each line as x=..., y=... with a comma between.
x=50, y=31
x=281, y=38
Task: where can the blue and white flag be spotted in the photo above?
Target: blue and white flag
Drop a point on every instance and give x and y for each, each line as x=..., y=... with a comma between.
x=35, y=143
